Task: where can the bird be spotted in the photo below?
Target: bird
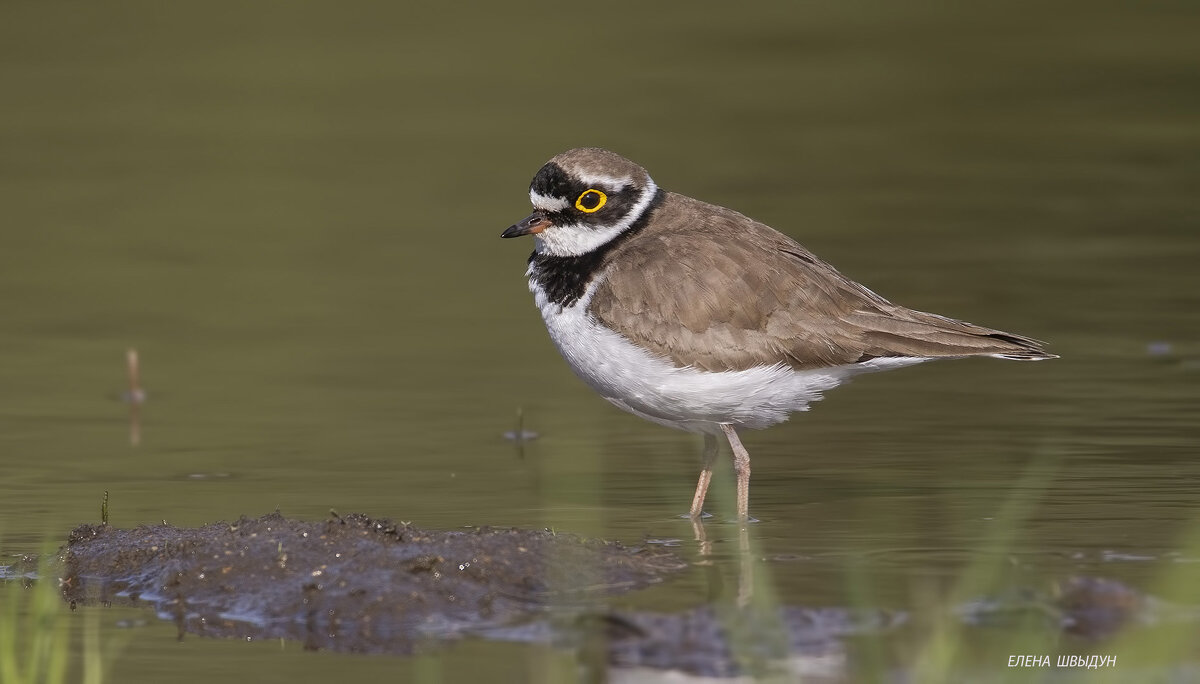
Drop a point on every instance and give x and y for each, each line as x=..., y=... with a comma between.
x=696, y=317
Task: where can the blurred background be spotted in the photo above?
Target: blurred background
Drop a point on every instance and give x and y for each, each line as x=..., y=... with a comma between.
x=292, y=210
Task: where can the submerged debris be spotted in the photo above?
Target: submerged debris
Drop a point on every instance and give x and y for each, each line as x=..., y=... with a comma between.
x=714, y=642
x=1092, y=608
x=519, y=434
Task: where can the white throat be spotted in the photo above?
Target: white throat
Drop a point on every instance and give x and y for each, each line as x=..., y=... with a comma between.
x=575, y=239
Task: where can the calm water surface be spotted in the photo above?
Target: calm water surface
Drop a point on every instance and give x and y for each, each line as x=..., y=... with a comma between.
x=293, y=213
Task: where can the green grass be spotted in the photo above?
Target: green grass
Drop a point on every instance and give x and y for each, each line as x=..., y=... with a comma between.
x=36, y=636
x=941, y=653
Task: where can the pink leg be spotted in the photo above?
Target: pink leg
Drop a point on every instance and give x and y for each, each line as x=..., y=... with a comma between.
x=741, y=468
x=710, y=455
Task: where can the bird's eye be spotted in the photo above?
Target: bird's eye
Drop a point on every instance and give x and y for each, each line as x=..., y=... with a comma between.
x=590, y=201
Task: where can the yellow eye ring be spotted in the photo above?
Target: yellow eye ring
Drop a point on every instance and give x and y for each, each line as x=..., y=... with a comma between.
x=590, y=201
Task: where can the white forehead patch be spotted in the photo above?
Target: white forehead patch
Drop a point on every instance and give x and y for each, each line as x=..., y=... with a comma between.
x=547, y=203
x=594, y=179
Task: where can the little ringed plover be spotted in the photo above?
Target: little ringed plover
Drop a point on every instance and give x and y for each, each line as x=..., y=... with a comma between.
x=696, y=317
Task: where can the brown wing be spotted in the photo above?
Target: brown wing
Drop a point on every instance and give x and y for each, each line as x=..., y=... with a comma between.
x=712, y=289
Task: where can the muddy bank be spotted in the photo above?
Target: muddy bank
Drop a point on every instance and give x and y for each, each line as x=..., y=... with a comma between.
x=356, y=584
x=350, y=583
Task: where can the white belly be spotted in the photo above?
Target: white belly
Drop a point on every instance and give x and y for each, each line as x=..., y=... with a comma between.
x=685, y=398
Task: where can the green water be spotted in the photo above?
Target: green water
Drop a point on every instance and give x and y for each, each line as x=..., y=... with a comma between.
x=292, y=211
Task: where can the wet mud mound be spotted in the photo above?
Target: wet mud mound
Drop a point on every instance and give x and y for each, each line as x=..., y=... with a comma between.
x=357, y=584
x=350, y=583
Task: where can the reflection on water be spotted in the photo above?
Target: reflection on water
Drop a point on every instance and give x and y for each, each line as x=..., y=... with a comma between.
x=291, y=213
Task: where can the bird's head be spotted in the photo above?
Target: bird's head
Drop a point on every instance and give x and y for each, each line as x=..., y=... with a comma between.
x=583, y=198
